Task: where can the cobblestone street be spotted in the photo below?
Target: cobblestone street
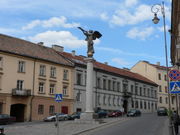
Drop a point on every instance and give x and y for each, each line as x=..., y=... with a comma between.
x=48, y=128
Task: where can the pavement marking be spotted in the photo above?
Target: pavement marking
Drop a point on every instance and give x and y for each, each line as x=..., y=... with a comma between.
x=91, y=130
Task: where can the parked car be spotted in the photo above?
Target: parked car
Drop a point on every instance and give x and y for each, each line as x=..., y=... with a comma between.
x=61, y=116
x=116, y=113
x=162, y=111
x=102, y=114
x=134, y=112
x=75, y=115
x=6, y=119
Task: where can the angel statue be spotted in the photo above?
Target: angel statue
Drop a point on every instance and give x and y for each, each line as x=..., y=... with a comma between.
x=90, y=36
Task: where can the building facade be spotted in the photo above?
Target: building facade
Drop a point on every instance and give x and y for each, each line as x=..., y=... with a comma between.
x=158, y=74
x=114, y=88
x=175, y=34
x=30, y=76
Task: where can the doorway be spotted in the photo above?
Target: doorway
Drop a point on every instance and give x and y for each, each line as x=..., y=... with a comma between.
x=17, y=110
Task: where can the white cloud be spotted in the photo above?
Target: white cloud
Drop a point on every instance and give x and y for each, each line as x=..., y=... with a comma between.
x=124, y=17
x=63, y=38
x=52, y=22
x=130, y=3
x=161, y=29
x=121, y=52
x=104, y=16
x=140, y=33
x=120, y=62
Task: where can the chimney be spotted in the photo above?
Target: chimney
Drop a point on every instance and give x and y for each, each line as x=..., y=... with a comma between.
x=58, y=48
x=73, y=52
x=158, y=63
x=40, y=43
x=106, y=63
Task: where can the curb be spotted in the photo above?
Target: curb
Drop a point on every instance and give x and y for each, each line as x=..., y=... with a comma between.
x=101, y=125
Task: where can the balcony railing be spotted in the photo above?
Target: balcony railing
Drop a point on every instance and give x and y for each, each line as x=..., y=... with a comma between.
x=127, y=94
x=23, y=92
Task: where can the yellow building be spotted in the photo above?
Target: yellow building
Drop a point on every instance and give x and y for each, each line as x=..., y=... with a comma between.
x=158, y=74
x=30, y=76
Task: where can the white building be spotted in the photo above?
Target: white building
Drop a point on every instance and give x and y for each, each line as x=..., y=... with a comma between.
x=114, y=88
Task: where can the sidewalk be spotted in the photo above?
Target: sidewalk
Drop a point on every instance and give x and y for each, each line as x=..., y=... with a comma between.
x=66, y=127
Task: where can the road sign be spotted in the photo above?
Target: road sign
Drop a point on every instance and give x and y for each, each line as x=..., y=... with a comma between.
x=174, y=74
x=58, y=97
x=175, y=87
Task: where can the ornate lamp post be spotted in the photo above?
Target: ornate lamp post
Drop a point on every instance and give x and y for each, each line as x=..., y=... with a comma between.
x=155, y=9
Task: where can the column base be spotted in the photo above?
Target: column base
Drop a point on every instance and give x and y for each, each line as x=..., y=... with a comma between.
x=87, y=118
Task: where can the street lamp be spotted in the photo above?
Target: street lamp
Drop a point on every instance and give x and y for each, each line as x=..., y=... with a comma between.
x=155, y=9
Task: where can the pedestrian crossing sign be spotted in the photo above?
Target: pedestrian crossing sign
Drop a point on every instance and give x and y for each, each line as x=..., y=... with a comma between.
x=58, y=97
x=175, y=87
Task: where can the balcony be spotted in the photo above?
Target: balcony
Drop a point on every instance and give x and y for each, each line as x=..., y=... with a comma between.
x=23, y=92
x=127, y=94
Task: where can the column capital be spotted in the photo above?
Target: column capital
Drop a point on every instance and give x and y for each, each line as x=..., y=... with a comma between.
x=89, y=59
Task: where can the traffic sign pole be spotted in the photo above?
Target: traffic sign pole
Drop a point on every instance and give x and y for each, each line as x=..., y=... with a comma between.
x=58, y=98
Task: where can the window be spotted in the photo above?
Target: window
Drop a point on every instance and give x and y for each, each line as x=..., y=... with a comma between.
x=65, y=74
x=141, y=106
x=155, y=94
x=41, y=87
x=98, y=82
x=53, y=72
x=52, y=88
x=165, y=78
x=51, y=109
x=20, y=84
x=65, y=90
x=114, y=86
x=118, y=86
x=159, y=76
x=136, y=90
x=79, y=79
x=148, y=92
x=160, y=89
x=160, y=99
x=140, y=91
x=109, y=84
x=1, y=62
x=21, y=66
x=166, y=90
x=132, y=89
x=42, y=71
x=144, y=91
x=78, y=96
x=104, y=84
x=40, y=109
x=104, y=100
x=148, y=105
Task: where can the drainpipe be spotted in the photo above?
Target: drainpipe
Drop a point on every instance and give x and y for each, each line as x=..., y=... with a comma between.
x=32, y=97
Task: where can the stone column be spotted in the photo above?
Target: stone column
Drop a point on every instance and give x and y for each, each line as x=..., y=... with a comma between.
x=89, y=86
x=87, y=116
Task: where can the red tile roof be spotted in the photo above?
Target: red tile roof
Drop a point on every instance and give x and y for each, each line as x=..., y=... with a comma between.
x=24, y=48
x=108, y=68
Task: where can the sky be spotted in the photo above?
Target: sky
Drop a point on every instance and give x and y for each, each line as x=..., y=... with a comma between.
x=128, y=34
